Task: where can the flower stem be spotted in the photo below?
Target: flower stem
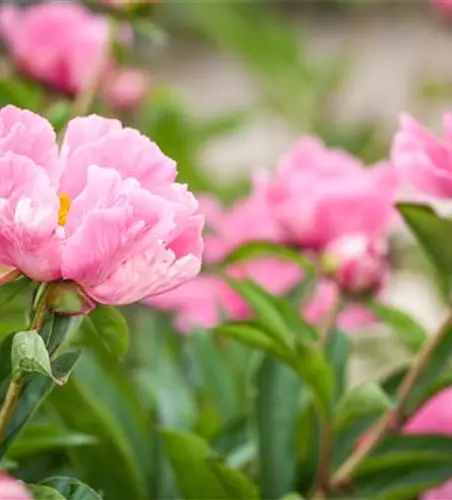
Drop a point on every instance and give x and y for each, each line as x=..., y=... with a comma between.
x=323, y=466
x=350, y=465
x=17, y=382
x=330, y=319
x=12, y=395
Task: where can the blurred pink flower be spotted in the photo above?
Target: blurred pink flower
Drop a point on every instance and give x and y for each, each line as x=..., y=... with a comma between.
x=423, y=160
x=104, y=211
x=358, y=265
x=201, y=301
x=444, y=8
x=434, y=417
x=12, y=489
x=354, y=317
x=126, y=88
x=320, y=194
x=58, y=43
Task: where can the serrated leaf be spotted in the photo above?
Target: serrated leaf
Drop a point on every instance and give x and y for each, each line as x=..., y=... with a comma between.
x=110, y=326
x=71, y=489
x=29, y=354
x=200, y=474
x=407, y=329
x=432, y=232
x=41, y=492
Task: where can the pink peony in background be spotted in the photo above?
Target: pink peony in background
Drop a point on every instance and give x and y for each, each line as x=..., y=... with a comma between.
x=202, y=301
x=320, y=194
x=423, y=160
x=126, y=88
x=103, y=211
x=12, y=489
x=444, y=8
x=58, y=43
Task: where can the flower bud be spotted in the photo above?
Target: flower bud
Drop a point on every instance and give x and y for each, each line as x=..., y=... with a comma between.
x=12, y=489
x=357, y=263
x=126, y=88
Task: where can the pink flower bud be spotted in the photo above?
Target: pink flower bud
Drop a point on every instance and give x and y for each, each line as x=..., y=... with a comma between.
x=357, y=263
x=126, y=88
x=12, y=489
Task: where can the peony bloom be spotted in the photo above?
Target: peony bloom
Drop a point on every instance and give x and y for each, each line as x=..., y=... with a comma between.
x=12, y=489
x=320, y=194
x=423, y=160
x=434, y=417
x=58, y=43
x=104, y=211
x=204, y=300
x=126, y=88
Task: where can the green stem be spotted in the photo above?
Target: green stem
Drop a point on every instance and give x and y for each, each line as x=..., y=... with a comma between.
x=346, y=470
x=16, y=383
x=330, y=319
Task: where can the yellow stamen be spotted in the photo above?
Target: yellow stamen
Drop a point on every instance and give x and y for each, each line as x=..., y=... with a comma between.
x=65, y=206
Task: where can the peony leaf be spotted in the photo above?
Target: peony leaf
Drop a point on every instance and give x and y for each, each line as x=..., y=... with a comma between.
x=29, y=354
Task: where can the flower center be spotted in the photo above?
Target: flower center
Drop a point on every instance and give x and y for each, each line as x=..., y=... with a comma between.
x=65, y=206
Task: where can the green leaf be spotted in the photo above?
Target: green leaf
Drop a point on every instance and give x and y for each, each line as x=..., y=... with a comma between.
x=408, y=330
x=58, y=331
x=257, y=249
x=215, y=373
x=403, y=467
x=20, y=93
x=100, y=401
x=252, y=334
x=29, y=354
x=36, y=388
x=199, y=472
x=71, y=489
x=337, y=353
x=432, y=370
x=265, y=309
x=276, y=414
x=432, y=233
x=39, y=438
x=317, y=373
x=367, y=398
x=9, y=291
x=41, y=492
x=110, y=326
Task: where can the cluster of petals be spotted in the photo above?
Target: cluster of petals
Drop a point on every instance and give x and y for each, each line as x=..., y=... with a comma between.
x=202, y=301
x=434, y=417
x=329, y=203
x=103, y=211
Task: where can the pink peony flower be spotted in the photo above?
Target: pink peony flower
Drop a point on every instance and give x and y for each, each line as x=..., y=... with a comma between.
x=320, y=194
x=358, y=265
x=126, y=88
x=434, y=417
x=58, y=43
x=354, y=317
x=444, y=8
x=202, y=301
x=423, y=160
x=104, y=211
x=12, y=489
